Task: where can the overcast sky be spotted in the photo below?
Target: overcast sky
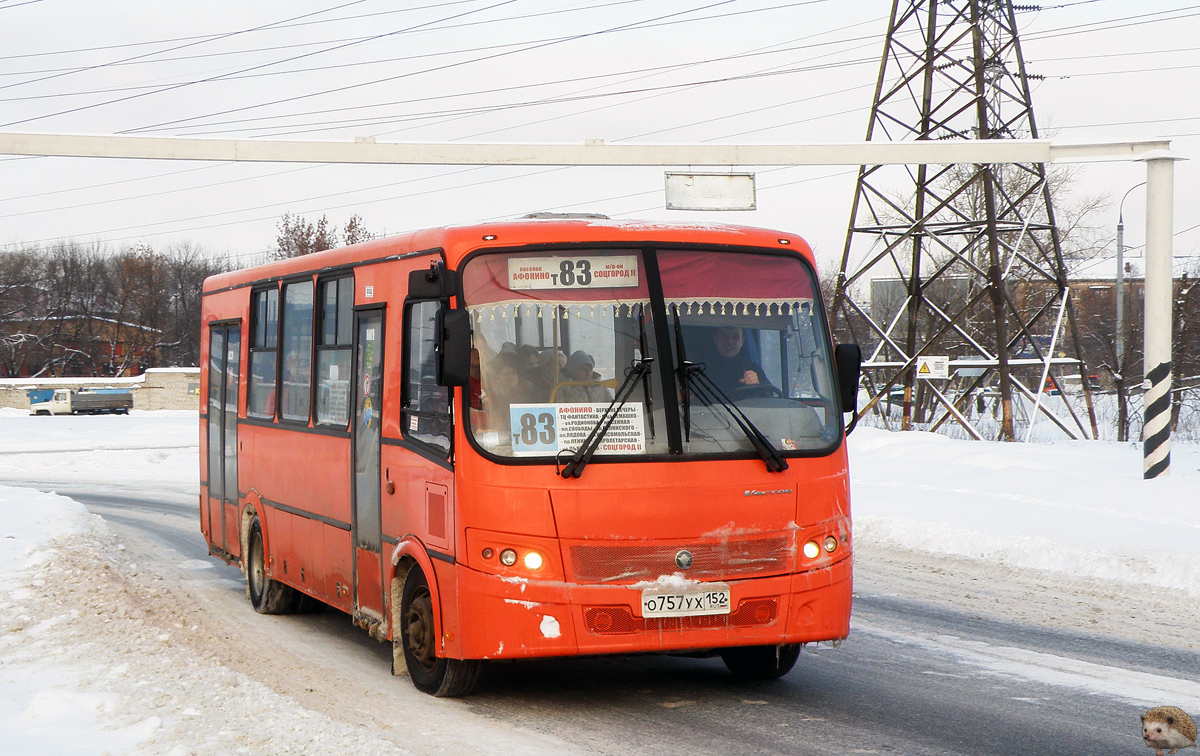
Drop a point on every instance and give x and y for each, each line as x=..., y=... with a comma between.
x=522, y=71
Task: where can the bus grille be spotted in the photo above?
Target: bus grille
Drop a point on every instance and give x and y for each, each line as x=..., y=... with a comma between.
x=618, y=620
x=727, y=558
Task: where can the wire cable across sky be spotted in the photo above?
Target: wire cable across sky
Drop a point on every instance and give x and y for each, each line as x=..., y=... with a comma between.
x=535, y=71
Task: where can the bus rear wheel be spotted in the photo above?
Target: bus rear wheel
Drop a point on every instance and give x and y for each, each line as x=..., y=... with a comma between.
x=437, y=676
x=761, y=662
x=267, y=596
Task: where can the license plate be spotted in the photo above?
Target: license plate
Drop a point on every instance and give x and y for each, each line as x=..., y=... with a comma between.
x=707, y=599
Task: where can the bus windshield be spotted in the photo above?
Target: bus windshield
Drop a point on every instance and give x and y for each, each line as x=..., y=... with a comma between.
x=556, y=333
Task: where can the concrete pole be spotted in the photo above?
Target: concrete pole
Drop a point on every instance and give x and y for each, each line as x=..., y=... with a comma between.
x=1120, y=345
x=1120, y=292
x=1160, y=205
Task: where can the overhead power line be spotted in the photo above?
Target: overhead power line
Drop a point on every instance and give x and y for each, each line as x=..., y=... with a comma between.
x=1111, y=24
x=206, y=37
x=180, y=47
x=494, y=90
x=642, y=73
x=641, y=25
x=251, y=68
x=481, y=109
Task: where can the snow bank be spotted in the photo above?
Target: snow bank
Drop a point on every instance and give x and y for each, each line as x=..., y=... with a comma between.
x=28, y=520
x=89, y=664
x=1080, y=508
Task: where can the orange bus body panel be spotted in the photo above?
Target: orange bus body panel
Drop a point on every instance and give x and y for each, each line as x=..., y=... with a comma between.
x=442, y=514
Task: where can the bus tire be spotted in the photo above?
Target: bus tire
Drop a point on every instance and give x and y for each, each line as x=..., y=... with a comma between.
x=267, y=596
x=437, y=676
x=761, y=662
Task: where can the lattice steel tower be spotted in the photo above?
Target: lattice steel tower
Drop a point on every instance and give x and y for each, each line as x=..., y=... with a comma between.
x=957, y=260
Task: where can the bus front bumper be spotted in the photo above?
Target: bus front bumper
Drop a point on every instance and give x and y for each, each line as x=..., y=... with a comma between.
x=512, y=619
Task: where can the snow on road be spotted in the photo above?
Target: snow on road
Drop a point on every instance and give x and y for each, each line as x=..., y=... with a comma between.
x=1140, y=688
x=89, y=662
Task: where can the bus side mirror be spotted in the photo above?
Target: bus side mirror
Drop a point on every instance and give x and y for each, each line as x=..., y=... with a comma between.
x=848, y=359
x=454, y=347
x=434, y=282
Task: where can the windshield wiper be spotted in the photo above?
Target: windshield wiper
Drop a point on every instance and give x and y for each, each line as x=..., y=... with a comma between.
x=646, y=373
x=575, y=465
x=709, y=391
x=684, y=380
x=691, y=376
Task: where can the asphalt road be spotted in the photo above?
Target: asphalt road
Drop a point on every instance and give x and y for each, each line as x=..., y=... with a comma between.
x=913, y=678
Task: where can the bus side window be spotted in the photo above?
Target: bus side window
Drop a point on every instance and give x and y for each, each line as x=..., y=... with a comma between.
x=264, y=335
x=296, y=351
x=335, y=335
x=425, y=412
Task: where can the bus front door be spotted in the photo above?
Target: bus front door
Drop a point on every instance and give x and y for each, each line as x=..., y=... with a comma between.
x=365, y=525
x=224, y=355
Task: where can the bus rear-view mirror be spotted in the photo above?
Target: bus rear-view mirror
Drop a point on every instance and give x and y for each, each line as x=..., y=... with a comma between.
x=848, y=359
x=454, y=347
x=434, y=282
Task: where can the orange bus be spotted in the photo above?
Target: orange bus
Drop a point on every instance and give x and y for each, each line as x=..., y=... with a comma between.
x=543, y=437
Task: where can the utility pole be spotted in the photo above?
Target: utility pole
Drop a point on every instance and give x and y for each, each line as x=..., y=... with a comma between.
x=1119, y=339
x=1160, y=209
x=972, y=247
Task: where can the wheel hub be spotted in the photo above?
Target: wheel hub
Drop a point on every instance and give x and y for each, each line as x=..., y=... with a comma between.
x=418, y=622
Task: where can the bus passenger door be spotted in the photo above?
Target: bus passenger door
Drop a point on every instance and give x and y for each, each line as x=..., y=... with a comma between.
x=365, y=526
x=224, y=358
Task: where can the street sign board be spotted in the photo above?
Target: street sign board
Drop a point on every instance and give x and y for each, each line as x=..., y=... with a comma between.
x=710, y=191
x=930, y=368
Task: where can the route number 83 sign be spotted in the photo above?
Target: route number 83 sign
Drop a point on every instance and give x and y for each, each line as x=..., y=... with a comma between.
x=544, y=429
x=581, y=272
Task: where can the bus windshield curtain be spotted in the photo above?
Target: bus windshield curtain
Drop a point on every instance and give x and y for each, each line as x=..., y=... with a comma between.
x=700, y=283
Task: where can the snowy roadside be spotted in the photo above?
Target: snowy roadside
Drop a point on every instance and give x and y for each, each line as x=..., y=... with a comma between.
x=97, y=655
x=91, y=663
x=1079, y=509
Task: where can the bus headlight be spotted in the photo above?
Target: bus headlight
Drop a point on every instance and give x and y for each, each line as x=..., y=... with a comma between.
x=512, y=555
x=830, y=543
x=811, y=550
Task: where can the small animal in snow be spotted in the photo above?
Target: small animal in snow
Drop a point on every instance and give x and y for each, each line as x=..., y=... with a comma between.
x=1168, y=727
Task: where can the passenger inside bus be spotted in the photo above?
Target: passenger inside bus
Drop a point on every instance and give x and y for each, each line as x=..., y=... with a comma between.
x=546, y=373
x=510, y=386
x=583, y=383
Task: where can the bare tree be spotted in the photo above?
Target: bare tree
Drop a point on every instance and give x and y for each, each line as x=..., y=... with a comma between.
x=187, y=267
x=298, y=236
x=21, y=296
x=76, y=310
x=1186, y=339
x=355, y=232
x=74, y=283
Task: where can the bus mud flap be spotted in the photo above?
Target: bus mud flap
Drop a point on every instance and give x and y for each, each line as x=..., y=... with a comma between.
x=399, y=665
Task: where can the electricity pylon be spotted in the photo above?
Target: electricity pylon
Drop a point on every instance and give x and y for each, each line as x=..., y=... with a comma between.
x=957, y=260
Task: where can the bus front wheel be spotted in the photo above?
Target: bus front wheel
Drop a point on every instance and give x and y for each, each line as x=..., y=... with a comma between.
x=761, y=662
x=437, y=676
x=267, y=596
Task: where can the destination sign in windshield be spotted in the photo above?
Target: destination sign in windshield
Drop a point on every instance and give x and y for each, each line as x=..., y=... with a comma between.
x=572, y=272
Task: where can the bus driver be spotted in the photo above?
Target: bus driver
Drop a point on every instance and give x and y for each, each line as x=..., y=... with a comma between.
x=733, y=368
